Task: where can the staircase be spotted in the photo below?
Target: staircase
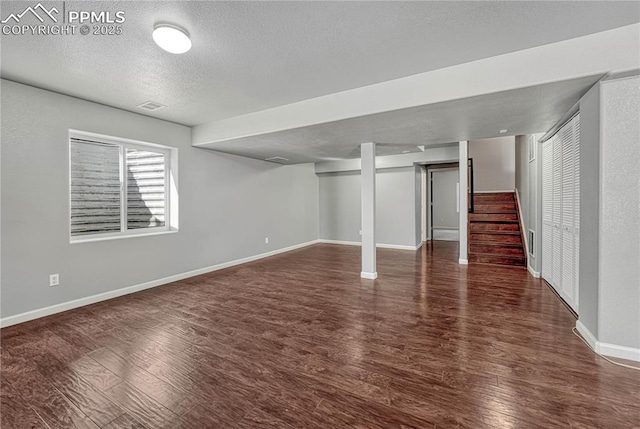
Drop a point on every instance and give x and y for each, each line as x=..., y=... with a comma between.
x=494, y=230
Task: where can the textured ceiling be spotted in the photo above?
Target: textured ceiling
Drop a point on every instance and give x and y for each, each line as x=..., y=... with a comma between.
x=522, y=111
x=250, y=56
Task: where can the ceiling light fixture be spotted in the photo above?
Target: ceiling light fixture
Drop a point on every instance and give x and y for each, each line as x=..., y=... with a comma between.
x=172, y=38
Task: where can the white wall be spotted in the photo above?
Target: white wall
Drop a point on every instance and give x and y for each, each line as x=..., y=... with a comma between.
x=228, y=204
x=493, y=163
x=395, y=206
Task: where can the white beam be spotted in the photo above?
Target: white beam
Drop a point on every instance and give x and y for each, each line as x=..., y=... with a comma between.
x=599, y=53
x=368, y=176
x=463, y=196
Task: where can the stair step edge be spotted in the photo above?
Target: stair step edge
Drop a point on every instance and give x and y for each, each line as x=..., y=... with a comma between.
x=495, y=244
x=494, y=255
x=495, y=232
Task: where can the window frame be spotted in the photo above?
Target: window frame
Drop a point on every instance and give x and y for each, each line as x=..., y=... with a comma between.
x=170, y=186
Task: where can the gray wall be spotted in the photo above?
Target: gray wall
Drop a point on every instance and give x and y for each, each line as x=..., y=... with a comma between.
x=527, y=184
x=609, y=211
x=340, y=206
x=445, y=204
x=493, y=163
x=395, y=206
x=619, y=297
x=589, y=209
x=228, y=204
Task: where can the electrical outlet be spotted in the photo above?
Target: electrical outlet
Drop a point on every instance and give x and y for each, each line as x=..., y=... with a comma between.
x=266, y=240
x=360, y=232
x=54, y=279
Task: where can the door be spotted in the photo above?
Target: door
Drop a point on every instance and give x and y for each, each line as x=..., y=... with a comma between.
x=561, y=211
x=444, y=219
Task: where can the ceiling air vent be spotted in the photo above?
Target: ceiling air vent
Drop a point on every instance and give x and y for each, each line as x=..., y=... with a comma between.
x=151, y=105
x=277, y=159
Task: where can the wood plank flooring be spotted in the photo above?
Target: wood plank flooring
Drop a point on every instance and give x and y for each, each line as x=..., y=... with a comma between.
x=300, y=341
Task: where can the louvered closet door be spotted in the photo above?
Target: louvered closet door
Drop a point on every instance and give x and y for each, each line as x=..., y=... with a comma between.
x=567, y=214
x=561, y=211
x=557, y=214
x=547, y=210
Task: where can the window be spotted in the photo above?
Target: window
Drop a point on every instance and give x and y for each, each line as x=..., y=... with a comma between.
x=119, y=187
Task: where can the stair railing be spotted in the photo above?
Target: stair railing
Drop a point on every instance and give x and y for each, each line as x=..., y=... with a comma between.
x=470, y=184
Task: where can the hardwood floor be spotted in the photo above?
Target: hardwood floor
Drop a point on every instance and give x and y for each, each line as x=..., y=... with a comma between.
x=300, y=341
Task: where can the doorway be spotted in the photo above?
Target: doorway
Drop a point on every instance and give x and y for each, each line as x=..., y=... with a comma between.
x=443, y=220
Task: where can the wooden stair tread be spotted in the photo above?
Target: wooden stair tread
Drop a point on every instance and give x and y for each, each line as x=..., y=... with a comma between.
x=502, y=260
x=495, y=244
x=493, y=220
x=496, y=255
x=496, y=232
x=497, y=251
x=481, y=208
x=494, y=193
x=496, y=198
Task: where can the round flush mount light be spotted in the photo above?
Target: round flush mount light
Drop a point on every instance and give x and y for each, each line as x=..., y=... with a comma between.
x=172, y=38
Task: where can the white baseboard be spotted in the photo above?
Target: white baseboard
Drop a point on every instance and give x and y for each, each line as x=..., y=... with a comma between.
x=463, y=261
x=380, y=245
x=586, y=334
x=419, y=245
x=397, y=246
x=607, y=349
x=535, y=274
x=616, y=351
x=81, y=302
x=370, y=276
x=345, y=243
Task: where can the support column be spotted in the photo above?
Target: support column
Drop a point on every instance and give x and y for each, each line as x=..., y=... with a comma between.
x=368, y=176
x=463, y=197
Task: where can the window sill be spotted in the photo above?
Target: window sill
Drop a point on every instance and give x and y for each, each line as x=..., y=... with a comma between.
x=121, y=236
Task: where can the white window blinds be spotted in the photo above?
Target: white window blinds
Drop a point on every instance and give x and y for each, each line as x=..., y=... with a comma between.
x=95, y=188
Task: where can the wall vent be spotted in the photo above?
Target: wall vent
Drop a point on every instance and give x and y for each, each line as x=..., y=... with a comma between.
x=277, y=159
x=151, y=105
x=531, y=241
